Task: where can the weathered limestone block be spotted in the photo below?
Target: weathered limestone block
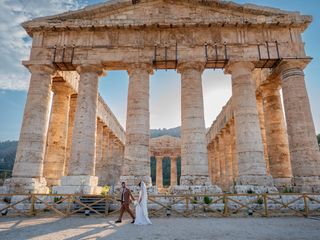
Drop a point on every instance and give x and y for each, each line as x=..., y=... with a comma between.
x=194, y=156
x=83, y=150
x=28, y=165
x=304, y=150
x=251, y=163
x=277, y=138
x=54, y=162
x=136, y=156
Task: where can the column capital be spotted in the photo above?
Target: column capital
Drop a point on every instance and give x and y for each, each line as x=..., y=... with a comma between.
x=61, y=87
x=185, y=66
x=96, y=68
x=34, y=68
x=137, y=67
x=293, y=64
x=233, y=66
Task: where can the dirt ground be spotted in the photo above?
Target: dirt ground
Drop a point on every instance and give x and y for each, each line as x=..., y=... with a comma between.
x=162, y=228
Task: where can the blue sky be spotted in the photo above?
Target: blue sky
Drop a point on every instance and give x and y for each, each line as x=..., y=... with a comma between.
x=164, y=86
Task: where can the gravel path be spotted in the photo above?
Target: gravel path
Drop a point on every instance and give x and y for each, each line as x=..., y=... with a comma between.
x=162, y=228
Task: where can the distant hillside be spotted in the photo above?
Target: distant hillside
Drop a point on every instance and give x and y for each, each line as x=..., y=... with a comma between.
x=174, y=132
x=7, y=155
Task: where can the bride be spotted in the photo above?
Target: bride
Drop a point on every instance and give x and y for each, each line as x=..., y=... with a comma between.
x=142, y=208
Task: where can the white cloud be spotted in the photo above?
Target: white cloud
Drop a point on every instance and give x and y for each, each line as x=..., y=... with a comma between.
x=14, y=41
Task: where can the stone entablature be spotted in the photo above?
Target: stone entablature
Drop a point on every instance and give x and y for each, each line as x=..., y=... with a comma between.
x=108, y=44
x=166, y=146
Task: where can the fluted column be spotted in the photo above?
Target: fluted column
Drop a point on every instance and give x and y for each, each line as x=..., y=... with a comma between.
x=174, y=172
x=216, y=165
x=277, y=138
x=159, y=176
x=234, y=151
x=304, y=150
x=101, y=166
x=251, y=163
x=228, y=158
x=99, y=140
x=222, y=161
x=27, y=176
x=72, y=111
x=193, y=139
x=210, y=150
x=136, y=157
x=263, y=130
x=81, y=172
x=54, y=162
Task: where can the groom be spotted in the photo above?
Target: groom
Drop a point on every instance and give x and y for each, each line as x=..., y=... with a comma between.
x=126, y=198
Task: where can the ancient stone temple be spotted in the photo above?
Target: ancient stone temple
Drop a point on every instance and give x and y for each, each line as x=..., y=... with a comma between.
x=79, y=145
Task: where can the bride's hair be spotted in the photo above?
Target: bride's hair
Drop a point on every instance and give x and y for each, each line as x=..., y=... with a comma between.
x=139, y=184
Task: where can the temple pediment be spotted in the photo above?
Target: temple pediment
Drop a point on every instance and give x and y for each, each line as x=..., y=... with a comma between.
x=167, y=13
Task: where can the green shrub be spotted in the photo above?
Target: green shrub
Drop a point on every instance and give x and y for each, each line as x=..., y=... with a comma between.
x=207, y=200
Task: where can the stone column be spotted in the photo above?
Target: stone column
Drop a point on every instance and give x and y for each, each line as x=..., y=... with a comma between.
x=27, y=176
x=251, y=163
x=136, y=156
x=304, y=150
x=277, y=138
x=72, y=111
x=102, y=167
x=263, y=130
x=81, y=173
x=99, y=140
x=174, y=172
x=234, y=152
x=159, y=176
x=222, y=160
x=55, y=156
x=210, y=150
x=193, y=132
x=228, y=158
x=216, y=165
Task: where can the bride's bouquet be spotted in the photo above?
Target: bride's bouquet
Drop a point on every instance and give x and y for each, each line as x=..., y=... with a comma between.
x=135, y=203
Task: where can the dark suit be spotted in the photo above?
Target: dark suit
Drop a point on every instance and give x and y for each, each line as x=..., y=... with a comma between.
x=126, y=197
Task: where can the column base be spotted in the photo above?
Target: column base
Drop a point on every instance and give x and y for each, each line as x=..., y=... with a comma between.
x=192, y=180
x=282, y=182
x=306, y=184
x=78, y=185
x=190, y=184
x=255, y=180
x=250, y=189
x=255, y=184
x=133, y=181
x=22, y=185
x=53, y=182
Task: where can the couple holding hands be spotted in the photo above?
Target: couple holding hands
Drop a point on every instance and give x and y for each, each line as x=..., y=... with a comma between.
x=141, y=216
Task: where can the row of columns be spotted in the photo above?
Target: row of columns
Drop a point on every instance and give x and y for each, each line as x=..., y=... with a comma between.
x=250, y=153
x=159, y=172
x=67, y=152
x=255, y=148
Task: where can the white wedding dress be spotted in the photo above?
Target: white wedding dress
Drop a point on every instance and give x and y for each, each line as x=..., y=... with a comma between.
x=142, y=208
